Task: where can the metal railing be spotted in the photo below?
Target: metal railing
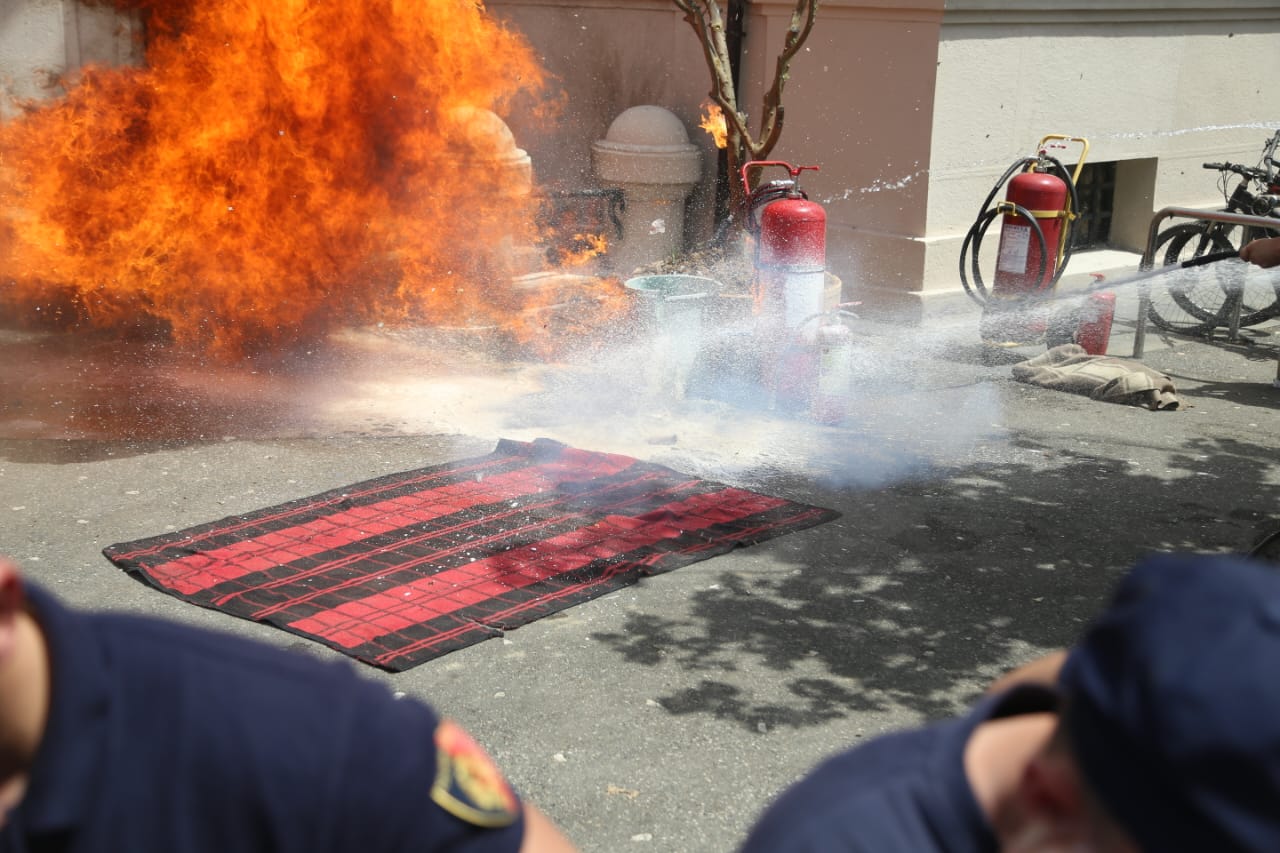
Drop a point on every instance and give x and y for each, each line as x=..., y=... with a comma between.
x=1148, y=262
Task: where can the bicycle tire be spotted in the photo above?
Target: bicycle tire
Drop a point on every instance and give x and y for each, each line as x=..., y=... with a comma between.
x=1195, y=306
x=1261, y=301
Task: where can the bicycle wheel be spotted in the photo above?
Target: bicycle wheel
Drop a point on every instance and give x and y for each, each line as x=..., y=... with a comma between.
x=1261, y=298
x=1195, y=304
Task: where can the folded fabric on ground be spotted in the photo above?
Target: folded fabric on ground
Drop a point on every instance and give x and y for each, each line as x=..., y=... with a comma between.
x=404, y=568
x=1113, y=380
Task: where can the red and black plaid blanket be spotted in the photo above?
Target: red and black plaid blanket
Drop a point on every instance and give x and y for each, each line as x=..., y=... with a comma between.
x=404, y=568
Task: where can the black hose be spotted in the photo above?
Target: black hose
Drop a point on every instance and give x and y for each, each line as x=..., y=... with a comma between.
x=975, y=236
x=1069, y=224
x=1211, y=258
x=1143, y=275
x=977, y=289
x=765, y=195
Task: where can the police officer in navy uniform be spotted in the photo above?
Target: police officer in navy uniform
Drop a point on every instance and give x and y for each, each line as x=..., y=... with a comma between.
x=1160, y=732
x=129, y=735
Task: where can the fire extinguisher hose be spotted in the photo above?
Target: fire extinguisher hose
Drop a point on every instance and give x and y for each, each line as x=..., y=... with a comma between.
x=1143, y=275
x=974, y=240
x=970, y=250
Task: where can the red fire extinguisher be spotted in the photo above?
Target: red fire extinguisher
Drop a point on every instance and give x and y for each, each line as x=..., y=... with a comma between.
x=1035, y=228
x=813, y=371
x=802, y=345
x=834, y=388
x=1096, y=316
x=1026, y=260
x=791, y=248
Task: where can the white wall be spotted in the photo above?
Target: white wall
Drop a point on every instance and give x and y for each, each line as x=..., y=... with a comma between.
x=42, y=39
x=860, y=105
x=606, y=56
x=1169, y=84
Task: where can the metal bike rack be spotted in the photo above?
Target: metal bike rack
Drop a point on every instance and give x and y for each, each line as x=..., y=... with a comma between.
x=1148, y=262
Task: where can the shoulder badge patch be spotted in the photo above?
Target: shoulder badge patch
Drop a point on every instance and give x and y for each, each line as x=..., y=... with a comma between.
x=468, y=784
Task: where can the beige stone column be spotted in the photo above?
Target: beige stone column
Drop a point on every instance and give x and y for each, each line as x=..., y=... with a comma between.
x=647, y=154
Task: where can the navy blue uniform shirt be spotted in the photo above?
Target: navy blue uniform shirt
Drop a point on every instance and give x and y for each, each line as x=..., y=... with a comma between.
x=905, y=792
x=164, y=738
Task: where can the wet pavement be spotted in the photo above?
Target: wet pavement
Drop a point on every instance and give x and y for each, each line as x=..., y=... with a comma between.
x=983, y=522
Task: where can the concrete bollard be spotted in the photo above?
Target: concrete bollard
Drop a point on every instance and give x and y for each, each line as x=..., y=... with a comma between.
x=647, y=154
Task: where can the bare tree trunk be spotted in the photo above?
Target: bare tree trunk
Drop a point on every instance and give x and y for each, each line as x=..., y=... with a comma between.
x=741, y=145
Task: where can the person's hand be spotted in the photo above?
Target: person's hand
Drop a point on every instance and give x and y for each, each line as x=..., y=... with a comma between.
x=1264, y=252
x=541, y=835
x=1043, y=670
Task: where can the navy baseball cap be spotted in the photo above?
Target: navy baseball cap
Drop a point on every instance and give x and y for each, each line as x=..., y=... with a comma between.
x=1172, y=704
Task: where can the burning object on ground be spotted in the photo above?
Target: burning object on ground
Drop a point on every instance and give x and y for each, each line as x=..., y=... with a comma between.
x=276, y=170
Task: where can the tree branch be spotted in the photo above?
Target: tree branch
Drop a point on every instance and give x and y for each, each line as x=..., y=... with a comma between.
x=705, y=18
x=802, y=19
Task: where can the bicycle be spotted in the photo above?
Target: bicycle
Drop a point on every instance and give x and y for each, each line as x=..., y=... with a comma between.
x=1197, y=306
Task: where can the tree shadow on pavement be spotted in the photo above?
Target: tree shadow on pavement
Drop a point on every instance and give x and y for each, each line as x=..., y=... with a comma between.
x=1240, y=393
x=924, y=590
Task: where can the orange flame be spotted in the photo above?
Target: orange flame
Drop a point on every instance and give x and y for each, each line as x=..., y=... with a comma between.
x=567, y=307
x=585, y=248
x=713, y=122
x=279, y=166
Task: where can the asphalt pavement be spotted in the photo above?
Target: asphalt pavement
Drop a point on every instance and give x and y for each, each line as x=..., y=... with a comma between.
x=983, y=522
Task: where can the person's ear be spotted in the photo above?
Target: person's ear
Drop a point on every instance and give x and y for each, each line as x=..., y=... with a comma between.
x=1050, y=788
x=12, y=601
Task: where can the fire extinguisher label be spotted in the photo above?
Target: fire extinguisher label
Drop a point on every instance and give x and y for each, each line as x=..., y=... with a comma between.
x=833, y=369
x=802, y=297
x=1015, y=240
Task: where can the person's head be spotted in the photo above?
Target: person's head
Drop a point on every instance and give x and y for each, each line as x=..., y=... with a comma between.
x=24, y=676
x=1169, y=733
x=1059, y=812
x=12, y=606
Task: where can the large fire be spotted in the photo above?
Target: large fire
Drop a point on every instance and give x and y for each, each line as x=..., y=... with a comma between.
x=278, y=166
